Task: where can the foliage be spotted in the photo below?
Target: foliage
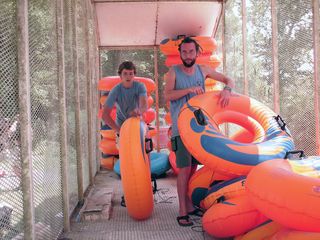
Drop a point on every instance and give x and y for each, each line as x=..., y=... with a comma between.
x=144, y=61
x=294, y=21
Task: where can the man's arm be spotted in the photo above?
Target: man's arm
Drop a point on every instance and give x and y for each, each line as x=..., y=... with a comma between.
x=229, y=84
x=171, y=94
x=106, y=117
x=143, y=104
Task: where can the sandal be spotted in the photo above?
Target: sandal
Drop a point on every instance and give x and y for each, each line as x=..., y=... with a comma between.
x=196, y=212
x=185, y=221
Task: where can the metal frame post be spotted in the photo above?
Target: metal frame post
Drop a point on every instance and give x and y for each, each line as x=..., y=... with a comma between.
x=244, y=48
x=77, y=103
x=63, y=115
x=25, y=117
x=316, y=48
x=89, y=97
x=275, y=60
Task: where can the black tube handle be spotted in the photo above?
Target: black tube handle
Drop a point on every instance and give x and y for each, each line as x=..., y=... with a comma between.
x=181, y=36
x=200, y=117
x=302, y=155
x=281, y=122
x=149, y=145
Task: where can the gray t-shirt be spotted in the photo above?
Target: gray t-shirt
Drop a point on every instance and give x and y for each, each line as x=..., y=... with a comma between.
x=183, y=81
x=126, y=99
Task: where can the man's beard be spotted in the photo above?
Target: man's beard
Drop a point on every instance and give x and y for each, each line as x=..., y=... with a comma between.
x=188, y=65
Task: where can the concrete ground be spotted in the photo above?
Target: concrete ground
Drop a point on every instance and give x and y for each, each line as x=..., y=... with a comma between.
x=162, y=225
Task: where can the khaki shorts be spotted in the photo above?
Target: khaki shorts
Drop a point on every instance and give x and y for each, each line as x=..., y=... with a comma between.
x=183, y=157
x=118, y=141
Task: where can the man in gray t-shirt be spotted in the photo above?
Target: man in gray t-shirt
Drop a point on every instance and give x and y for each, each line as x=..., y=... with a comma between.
x=129, y=96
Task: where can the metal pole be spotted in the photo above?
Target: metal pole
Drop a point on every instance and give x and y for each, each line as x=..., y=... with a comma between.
x=275, y=60
x=89, y=91
x=98, y=120
x=63, y=116
x=25, y=118
x=156, y=78
x=316, y=47
x=77, y=103
x=98, y=76
x=224, y=55
x=223, y=40
x=244, y=48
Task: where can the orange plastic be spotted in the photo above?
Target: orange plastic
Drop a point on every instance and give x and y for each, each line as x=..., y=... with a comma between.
x=152, y=132
x=284, y=196
x=167, y=118
x=107, y=83
x=108, y=146
x=243, y=136
x=135, y=169
x=262, y=232
x=199, y=184
x=227, y=189
x=108, y=134
x=103, y=99
x=150, y=101
x=149, y=115
x=209, y=82
x=108, y=163
x=231, y=218
x=204, y=59
x=215, y=150
x=170, y=46
x=289, y=234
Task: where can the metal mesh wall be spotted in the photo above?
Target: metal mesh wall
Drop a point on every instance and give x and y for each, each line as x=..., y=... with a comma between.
x=296, y=71
x=70, y=102
x=46, y=160
x=45, y=115
x=11, y=210
x=233, y=43
x=259, y=54
x=81, y=44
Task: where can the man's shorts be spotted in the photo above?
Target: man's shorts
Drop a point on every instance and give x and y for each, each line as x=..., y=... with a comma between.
x=183, y=157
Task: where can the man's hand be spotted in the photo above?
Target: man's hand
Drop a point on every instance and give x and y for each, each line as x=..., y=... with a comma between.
x=135, y=113
x=197, y=90
x=224, y=98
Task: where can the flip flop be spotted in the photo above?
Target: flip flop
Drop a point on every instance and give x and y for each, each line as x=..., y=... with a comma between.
x=196, y=212
x=186, y=222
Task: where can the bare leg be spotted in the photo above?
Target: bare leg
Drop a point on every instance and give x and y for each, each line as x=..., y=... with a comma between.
x=182, y=187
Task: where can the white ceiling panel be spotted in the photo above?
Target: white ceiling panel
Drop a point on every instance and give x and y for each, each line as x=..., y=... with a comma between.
x=138, y=23
x=187, y=18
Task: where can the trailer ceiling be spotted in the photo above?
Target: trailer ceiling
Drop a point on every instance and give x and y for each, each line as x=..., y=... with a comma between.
x=139, y=23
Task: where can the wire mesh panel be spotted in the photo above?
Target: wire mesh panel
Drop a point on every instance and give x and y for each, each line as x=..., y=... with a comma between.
x=259, y=51
x=46, y=160
x=70, y=103
x=11, y=208
x=296, y=71
x=233, y=43
x=83, y=88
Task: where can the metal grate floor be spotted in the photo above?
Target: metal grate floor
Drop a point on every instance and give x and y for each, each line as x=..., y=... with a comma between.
x=162, y=225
